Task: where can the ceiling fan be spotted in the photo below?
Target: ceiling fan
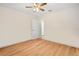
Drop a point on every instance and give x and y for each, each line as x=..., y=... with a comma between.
x=37, y=6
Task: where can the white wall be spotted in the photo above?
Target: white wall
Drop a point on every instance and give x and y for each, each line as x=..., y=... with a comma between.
x=14, y=26
x=63, y=26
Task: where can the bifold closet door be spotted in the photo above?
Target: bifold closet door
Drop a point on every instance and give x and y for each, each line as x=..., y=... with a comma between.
x=36, y=28
x=62, y=26
x=15, y=26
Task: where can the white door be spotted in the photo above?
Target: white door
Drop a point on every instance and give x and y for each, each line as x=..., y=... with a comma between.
x=36, y=28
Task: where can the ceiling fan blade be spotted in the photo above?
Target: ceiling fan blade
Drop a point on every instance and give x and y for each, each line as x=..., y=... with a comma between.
x=28, y=7
x=43, y=4
x=42, y=9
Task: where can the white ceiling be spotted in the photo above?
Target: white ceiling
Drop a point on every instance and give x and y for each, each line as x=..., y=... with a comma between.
x=50, y=6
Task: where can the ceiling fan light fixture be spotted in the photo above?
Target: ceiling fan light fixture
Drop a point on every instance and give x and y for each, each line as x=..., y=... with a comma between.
x=37, y=7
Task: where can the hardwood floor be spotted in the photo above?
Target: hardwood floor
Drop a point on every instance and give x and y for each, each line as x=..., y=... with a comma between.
x=39, y=47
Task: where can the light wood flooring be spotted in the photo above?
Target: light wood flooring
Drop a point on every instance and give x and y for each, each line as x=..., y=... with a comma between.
x=39, y=47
